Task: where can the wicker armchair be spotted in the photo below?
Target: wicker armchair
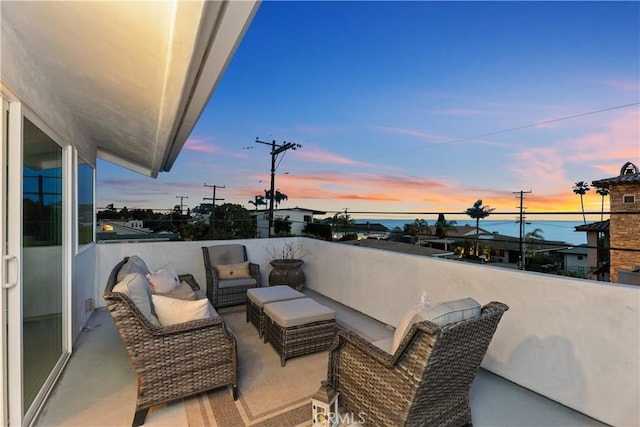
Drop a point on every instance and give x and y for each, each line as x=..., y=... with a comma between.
x=175, y=361
x=227, y=292
x=425, y=383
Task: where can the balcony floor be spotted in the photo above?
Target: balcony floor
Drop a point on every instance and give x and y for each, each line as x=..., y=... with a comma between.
x=98, y=387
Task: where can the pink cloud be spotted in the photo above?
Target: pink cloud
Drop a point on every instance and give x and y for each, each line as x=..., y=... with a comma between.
x=625, y=85
x=200, y=145
x=412, y=132
x=315, y=155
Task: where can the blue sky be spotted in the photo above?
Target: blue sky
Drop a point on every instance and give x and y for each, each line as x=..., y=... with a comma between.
x=414, y=107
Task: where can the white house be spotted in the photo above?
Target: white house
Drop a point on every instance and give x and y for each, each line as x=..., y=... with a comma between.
x=298, y=217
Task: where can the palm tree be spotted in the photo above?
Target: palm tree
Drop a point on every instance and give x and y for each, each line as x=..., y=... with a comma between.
x=278, y=197
x=416, y=227
x=581, y=188
x=536, y=234
x=602, y=192
x=477, y=212
x=258, y=200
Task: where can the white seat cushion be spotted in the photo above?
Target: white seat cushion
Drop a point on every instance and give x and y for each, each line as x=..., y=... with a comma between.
x=298, y=312
x=449, y=312
x=266, y=295
x=441, y=314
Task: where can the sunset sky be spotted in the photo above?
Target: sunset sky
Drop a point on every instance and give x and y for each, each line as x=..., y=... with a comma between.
x=413, y=107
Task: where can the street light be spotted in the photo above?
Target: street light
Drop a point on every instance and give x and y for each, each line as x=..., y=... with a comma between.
x=275, y=150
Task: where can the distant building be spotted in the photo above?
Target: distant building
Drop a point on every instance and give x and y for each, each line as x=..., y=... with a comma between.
x=400, y=247
x=598, y=243
x=113, y=229
x=574, y=260
x=299, y=218
x=364, y=231
x=624, y=226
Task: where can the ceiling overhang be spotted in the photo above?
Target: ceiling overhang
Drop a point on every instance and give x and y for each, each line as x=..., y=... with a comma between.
x=123, y=81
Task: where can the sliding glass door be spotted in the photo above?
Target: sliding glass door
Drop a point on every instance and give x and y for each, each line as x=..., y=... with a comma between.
x=42, y=281
x=34, y=273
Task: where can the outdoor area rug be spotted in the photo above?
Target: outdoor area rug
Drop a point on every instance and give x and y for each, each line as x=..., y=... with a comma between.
x=268, y=394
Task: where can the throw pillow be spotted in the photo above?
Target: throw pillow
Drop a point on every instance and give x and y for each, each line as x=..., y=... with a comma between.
x=136, y=287
x=134, y=264
x=234, y=271
x=163, y=281
x=183, y=292
x=172, y=269
x=171, y=311
x=406, y=321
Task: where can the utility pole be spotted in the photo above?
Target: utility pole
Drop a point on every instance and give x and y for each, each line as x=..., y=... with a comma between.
x=275, y=150
x=213, y=204
x=521, y=260
x=181, y=204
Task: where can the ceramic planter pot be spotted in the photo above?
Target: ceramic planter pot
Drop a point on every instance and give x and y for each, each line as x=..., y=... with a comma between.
x=287, y=272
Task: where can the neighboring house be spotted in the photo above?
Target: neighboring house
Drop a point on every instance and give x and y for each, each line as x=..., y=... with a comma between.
x=299, y=218
x=364, y=231
x=624, y=224
x=574, y=260
x=598, y=243
x=405, y=248
x=455, y=233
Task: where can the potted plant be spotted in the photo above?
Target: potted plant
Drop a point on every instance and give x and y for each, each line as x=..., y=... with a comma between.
x=287, y=266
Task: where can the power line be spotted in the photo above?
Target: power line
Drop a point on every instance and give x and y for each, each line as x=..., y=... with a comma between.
x=181, y=204
x=213, y=204
x=524, y=126
x=522, y=223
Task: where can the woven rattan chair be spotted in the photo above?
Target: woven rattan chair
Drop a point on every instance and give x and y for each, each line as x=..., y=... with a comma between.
x=425, y=383
x=227, y=292
x=175, y=361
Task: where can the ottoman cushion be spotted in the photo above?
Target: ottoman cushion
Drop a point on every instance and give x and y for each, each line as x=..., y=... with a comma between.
x=298, y=312
x=262, y=296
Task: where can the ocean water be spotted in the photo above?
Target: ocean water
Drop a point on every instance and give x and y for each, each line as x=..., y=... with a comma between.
x=563, y=231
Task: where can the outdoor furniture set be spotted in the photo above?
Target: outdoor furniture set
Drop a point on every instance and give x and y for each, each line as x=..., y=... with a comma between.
x=292, y=323
x=422, y=377
x=169, y=337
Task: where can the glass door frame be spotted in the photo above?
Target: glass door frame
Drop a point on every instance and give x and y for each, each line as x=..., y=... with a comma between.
x=8, y=262
x=16, y=414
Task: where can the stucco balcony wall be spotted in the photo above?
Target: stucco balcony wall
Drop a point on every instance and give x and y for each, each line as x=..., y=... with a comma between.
x=573, y=341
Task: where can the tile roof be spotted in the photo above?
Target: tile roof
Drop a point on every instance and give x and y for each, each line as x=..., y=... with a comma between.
x=622, y=179
x=629, y=173
x=595, y=226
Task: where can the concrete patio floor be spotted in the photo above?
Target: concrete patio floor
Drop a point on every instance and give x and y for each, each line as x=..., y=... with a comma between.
x=98, y=386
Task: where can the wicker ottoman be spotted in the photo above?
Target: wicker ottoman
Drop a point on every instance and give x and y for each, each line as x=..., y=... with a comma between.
x=258, y=297
x=299, y=326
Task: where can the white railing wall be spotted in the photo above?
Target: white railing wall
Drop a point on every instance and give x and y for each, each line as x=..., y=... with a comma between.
x=573, y=341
